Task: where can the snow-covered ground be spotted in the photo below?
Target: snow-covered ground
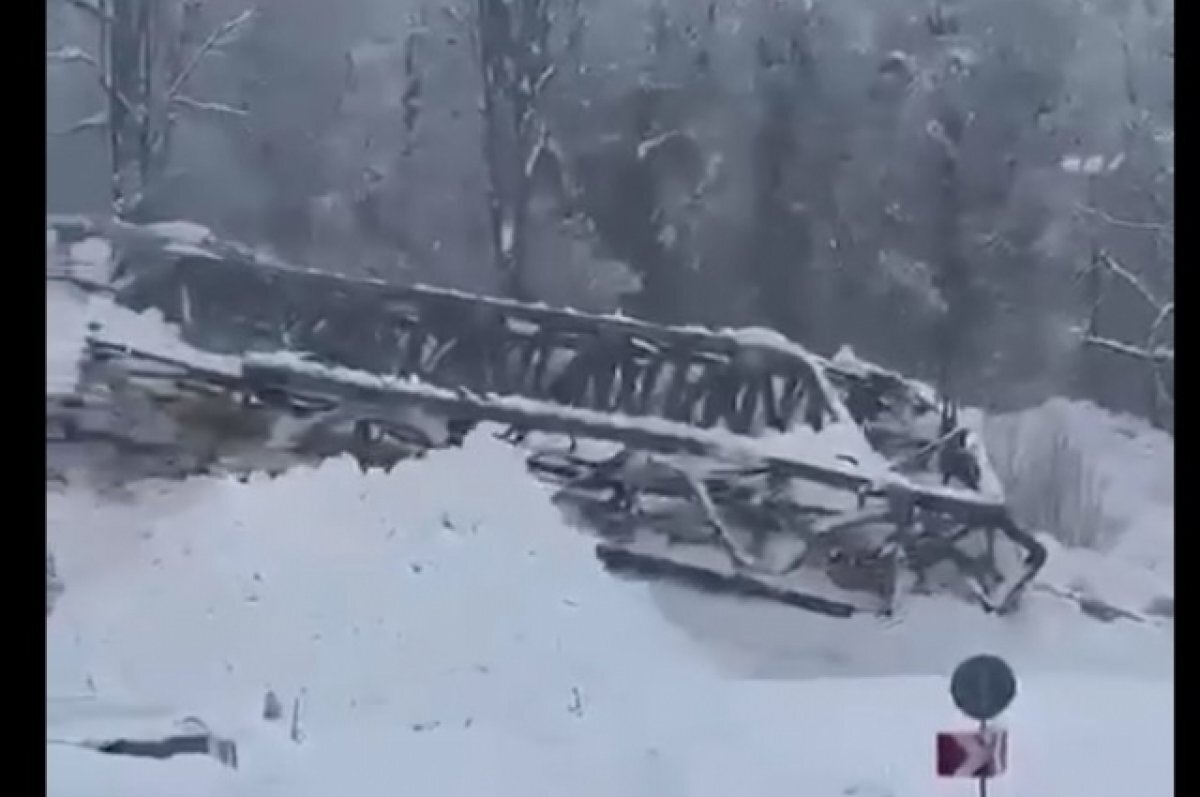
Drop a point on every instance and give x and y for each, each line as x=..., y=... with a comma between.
x=442, y=631
x=446, y=633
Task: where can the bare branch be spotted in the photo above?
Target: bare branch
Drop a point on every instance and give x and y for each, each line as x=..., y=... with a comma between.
x=229, y=33
x=223, y=35
x=97, y=121
x=649, y=146
x=1164, y=314
x=535, y=154
x=95, y=12
x=545, y=77
x=1153, y=337
x=184, y=101
x=72, y=55
x=76, y=55
x=1157, y=227
x=1160, y=355
x=1106, y=261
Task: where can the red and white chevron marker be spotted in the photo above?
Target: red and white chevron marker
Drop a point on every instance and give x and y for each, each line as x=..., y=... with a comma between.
x=972, y=754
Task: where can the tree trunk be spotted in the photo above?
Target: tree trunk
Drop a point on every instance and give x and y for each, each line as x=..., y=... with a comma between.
x=952, y=332
x=779, y=246
x=513, y=41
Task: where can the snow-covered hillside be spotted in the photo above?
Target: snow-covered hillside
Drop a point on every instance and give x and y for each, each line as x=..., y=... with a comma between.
x=446, y=634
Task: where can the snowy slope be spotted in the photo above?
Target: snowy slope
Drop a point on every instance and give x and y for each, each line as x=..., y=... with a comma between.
x=447, y=634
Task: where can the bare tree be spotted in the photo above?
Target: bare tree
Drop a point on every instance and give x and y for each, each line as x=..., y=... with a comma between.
x=149, y=52
x=1127, y=223
x=512, y=44
x=780, y=238
x=1156, y=353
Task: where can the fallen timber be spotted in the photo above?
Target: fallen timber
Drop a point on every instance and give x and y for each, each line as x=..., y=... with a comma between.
x=897, y=500
x=225, y=298
x=730, y=422
x=285, y=375
x=298, y=387
x=746, y=381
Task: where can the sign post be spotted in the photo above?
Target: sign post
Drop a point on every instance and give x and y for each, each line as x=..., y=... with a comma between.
x=981, y=687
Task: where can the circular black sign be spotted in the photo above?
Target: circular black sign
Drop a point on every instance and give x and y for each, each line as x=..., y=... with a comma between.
x=983, y=686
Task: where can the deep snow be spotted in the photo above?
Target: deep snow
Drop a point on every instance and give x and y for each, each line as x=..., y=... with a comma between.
x=448, y=634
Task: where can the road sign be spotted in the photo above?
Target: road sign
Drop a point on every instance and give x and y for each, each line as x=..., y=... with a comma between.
x=972, y=754
x=983, y=686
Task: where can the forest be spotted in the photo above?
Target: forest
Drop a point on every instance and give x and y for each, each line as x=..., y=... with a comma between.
x=979, y=193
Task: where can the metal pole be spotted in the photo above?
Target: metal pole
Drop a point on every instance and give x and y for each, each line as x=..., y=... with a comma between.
x=983, y=789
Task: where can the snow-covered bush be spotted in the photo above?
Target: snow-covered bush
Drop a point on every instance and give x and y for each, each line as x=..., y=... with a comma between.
x=1050, y=482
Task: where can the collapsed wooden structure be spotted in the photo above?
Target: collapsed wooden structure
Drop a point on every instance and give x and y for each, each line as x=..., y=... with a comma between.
x=732, y=459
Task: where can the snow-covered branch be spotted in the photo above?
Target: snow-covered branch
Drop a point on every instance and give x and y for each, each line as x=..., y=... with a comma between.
x=72, y=55
x=184, y=101
x=1164, y=314
x=539, y=85
x=1159, y=358
x=97, y=121
x=1160, y=228
x=77, y=55
x=649, y=146
x=94, y=11
x=1159, y=355
x=224, y=35
x=538, y=150
x=1109, y=264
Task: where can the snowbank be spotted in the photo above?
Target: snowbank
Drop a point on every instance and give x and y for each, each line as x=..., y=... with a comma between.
x=428, y=575
x=447, y=634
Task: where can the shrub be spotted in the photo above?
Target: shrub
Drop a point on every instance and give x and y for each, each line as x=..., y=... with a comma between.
x=1050, y=484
